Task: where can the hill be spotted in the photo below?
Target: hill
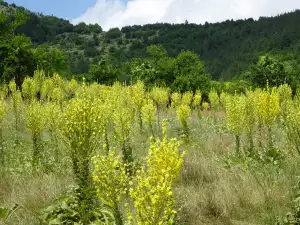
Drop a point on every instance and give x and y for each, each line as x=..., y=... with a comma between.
x=227, y=48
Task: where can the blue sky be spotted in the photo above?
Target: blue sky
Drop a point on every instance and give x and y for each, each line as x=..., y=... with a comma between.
x=69, y=9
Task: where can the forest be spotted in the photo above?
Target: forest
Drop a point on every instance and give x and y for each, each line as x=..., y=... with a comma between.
x=227, y=50
x=178, y=124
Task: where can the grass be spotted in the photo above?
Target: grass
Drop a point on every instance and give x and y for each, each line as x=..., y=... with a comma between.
x=214, y=187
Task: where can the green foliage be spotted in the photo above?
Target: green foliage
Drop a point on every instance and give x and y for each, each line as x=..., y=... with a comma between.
x=18, y=59
x=157, y=52
x=190, y=73
x=7, y=28
x=104, y=72
x=268, y=70
x=2, y=117
x=113, y=33
x=51, y=60
x=6, y=213
x=16, y=102
x=292, y=122
x=68, y=209
x=226, y=48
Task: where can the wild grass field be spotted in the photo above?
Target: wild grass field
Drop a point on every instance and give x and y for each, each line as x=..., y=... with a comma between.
x=240, y=164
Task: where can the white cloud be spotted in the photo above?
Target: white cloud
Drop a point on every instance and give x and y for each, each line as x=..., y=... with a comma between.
x=115, y=13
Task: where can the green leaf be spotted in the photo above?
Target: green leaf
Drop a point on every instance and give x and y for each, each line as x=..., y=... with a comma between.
x=3, y=213
x=56, y=221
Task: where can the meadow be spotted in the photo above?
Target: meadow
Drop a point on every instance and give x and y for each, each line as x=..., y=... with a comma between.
x=78, y=153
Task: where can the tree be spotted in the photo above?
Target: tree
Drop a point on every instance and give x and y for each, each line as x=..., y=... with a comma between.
x=104, y=72
x=7, y=27
x=18, y=60
x=269, y=70
x=156, y=52
x=51, y=60
x=190, y=73
x=113, y=33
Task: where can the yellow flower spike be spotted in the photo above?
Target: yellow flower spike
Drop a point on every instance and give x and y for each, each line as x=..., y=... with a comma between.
x=176, y=99
x=214, y=99
x=197, y=99
x=183, y=114
x=154, y=182
x=148, y=113
x=29, y=88
x=235, y=116
x=187, y=98
x=36, y=120
x=82, y=132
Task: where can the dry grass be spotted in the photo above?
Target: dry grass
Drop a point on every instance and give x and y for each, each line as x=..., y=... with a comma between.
x=31, y=193
x=208, y=191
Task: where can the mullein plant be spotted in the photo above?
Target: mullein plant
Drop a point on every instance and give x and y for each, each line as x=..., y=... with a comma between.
x=16, y=103
x=151, y=191
x=55, y=125
x=123, y=119
x=46, y=89
x=2, y=117
x=187, y=98
x=285, y=95
x=176, y=100
x=71, y=88
x=29, y=89
x=83, y=121
x=36, y=123
x=214, y=100
x=197, y=102
x=137, y=93
x=149, y=115
x=160, y=97
x=183, y=114
x=111, y=181
x=250, y=119
x=235, y=117
x=268, y=111
x=292, y=123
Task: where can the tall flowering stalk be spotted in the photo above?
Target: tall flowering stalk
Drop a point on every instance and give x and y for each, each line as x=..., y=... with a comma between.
x=2, y=117
x=152, y=189
x=161, y=97
x=149, y=115
x=36, y=124
x=55, y=127
x=137, y=93
x=111, y=182
x=214, y=99
x=16, y=102
x=268, y=111
x=183, y=114
x=123, y=119
x=250, y=119
x=82, y=128
x=235, y=116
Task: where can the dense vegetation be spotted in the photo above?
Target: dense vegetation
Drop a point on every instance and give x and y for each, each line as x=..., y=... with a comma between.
x=227, y=49
x=78, y=153
x=86, y=116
